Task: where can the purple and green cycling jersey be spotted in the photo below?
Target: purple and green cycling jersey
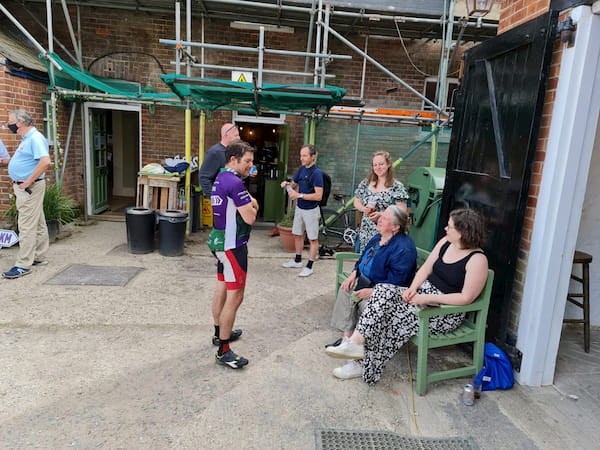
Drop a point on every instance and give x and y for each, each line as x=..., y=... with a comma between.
x=229, y=229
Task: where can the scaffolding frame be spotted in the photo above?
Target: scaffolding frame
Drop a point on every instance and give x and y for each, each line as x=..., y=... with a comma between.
x=321, y=56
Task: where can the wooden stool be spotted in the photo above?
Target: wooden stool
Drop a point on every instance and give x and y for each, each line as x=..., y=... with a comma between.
x=584, y=259
x=157, y=192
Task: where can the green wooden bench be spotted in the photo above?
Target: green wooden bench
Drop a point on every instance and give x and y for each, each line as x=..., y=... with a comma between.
x=471, y=330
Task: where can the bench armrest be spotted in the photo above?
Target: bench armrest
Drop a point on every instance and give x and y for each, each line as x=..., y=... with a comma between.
x=443, y=310
x=340, y=257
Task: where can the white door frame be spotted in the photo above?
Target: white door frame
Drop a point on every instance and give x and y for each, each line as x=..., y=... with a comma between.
x=86, y=133
x=558, y=213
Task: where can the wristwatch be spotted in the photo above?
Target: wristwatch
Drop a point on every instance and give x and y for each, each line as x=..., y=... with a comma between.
x=301, y=196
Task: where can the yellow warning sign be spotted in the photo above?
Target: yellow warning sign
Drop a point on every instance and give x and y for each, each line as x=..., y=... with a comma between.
x=243, y=77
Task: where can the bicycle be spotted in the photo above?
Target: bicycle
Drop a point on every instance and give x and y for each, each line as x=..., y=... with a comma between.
x=338, y=228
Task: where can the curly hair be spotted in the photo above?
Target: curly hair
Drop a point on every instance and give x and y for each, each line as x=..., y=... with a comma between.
x=471, y=226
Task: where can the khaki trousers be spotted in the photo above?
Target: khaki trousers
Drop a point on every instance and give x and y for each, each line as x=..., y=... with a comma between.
x=33, y=231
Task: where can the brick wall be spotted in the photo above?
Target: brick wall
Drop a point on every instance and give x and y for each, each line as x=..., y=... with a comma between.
x=516, y=12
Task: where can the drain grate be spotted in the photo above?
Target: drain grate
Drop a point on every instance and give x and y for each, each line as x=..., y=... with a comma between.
x=95, y=276
x=385, y=440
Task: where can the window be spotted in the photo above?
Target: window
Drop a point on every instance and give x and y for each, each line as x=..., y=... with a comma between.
x=276, y=119
x=48, y=118
x=430, y=88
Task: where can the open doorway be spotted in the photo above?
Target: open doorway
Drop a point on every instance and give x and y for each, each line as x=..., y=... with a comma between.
x=113, y=139
x=271, y=143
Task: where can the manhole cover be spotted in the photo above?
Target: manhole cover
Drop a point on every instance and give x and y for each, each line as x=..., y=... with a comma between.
x=95, y=276
x=385, y=440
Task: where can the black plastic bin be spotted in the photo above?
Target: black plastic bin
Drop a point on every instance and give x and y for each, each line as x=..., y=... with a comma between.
x=140, y=229
x=171, y=231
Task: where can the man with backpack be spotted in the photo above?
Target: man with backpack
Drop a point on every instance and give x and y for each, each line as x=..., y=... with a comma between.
x=309, y=181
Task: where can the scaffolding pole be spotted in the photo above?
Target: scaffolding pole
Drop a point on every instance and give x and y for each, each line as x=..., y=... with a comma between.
x=28, y=35
x=72, y=34
x=68, y=143
x=325, y=61
x=318, y=41
x=311, y=25
x=54, y=114
x=178, y=38
x=384, y=69
x=188, y=159
x=239, y=48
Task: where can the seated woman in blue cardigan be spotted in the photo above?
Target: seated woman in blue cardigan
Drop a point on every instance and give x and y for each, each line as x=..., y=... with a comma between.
x=390, y=257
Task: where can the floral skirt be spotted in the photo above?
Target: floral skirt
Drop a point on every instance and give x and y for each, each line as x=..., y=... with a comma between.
x=388, y=322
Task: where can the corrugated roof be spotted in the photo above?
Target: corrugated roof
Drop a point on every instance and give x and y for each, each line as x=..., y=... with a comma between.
x=15, y=47
x=360, y=16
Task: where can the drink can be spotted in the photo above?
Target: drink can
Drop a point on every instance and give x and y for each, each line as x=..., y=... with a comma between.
x=477, y=388
x=253, y=170
x=468, y=395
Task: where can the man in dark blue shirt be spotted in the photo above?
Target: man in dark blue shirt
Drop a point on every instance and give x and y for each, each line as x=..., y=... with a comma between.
x=309, y=181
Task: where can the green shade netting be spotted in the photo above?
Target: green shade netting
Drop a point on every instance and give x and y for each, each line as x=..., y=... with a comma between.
x=70, y=77
x=215, y=94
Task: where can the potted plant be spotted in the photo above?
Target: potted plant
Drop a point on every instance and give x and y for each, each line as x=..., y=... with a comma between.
x=285, y=232
x=59, y=208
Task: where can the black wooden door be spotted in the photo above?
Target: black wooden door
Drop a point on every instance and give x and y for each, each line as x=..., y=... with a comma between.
x=494, y=137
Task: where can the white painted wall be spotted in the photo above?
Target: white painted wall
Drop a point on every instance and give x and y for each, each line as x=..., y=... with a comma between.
x=573, y=135
x=588, y=239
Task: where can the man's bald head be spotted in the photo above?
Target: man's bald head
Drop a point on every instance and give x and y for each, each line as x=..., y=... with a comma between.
x=229, y=134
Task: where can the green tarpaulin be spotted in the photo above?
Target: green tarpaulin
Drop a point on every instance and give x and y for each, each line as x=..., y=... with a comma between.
x=70, y=77
x=203, y=93
x=215, y=94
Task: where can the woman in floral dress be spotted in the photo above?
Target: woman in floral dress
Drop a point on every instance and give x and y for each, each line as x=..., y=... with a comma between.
x=375, y=193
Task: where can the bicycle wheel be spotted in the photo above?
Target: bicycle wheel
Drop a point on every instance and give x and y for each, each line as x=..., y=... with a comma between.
x=341, y=228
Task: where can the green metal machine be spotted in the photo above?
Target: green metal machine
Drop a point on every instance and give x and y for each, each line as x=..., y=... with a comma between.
x=425, y=188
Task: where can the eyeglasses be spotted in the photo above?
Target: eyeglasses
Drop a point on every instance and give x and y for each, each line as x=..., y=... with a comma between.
x=230, y=128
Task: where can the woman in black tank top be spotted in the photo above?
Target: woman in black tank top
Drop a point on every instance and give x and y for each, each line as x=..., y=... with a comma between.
x=454, y=274
x=451, y=266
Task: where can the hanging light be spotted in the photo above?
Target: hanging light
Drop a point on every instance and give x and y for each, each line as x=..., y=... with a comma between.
x=478, y=8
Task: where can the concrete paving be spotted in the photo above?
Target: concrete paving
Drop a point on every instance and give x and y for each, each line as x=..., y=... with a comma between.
x=133, y=367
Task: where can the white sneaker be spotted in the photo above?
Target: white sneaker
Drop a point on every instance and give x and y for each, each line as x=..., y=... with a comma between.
x=352, y=369
x=292, y=264
x=306, y=272
x=346, y=350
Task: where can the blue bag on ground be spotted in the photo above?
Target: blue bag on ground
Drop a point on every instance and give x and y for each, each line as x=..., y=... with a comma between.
x=497, y=371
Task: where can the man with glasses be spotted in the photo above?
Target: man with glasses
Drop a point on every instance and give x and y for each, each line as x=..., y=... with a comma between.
x=214, y=160
x=27, y=169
